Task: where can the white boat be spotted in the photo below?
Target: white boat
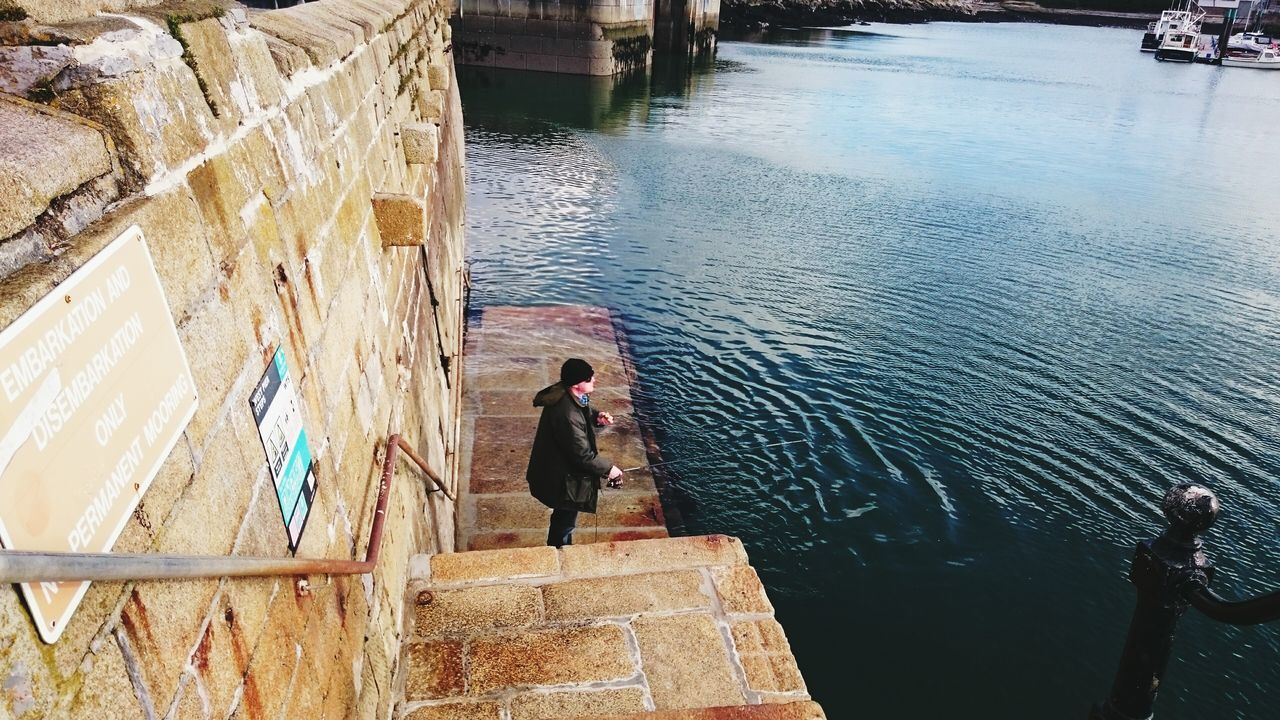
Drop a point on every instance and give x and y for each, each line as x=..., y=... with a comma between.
x=1179, y=46
x=1250, y=42
x=1178, y=18
x=1268, y=59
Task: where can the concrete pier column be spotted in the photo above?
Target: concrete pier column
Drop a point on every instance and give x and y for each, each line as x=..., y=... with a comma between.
x=686, y=26
x=580, y=37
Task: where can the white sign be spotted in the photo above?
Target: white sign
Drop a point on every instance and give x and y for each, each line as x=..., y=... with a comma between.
x=95, y=390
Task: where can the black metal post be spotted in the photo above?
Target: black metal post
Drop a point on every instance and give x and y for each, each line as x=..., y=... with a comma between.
x=1163, y=571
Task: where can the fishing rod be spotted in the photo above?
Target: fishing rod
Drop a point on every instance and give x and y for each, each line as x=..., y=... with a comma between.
x=711, y=455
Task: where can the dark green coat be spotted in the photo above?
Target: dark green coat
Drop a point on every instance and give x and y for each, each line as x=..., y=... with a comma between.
x=564, y=466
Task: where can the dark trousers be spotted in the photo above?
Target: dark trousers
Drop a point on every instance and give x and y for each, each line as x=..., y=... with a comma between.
x=563, y=520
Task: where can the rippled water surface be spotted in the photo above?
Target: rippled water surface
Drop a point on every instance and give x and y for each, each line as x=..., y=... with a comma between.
x=1010, y=282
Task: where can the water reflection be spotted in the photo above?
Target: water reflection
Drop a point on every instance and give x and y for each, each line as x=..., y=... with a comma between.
x=530, y=103
x=956, y=258
x=533, y=104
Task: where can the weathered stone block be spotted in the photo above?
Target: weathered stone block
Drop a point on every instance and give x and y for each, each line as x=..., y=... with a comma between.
x=686, y=662
x=541, y=63
x=214, y=64
x=220, y=194
x=760, y=636
x=625, y=595
x=212, y=331
x=554, y=706
x=665, y=554
x=161, y=623
x=322, y=45
x=772, y=673
x=549, y=657
x=789, y=711
x=259, y=77
x=740, y=590
x=106, y=691
x=493, y=565
x=158, y=116
x=288, y=58
x=603, y=66
x=345, y=12
x=457, y=711
x=510, y=60
x=616, y=509
x=401, y=219
x=43, y=155
x=599, y=49
x=25, y=67
x=443, y=612
x=432, y=106
x=266, y=685
x=421, y=143
x=433, y=670
x=175, y=234
x=438, y=74
x=222, y=480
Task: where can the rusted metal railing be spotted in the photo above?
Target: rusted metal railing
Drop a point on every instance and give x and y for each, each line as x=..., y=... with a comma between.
x=1172, y=574
x=24, y=566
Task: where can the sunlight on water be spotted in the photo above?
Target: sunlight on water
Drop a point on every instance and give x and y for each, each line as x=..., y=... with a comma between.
x=1009, y=281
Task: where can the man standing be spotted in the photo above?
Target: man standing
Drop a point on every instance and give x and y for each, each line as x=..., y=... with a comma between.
x=564, y=467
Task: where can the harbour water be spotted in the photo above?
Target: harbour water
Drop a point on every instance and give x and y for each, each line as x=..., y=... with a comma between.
x=1010, y=282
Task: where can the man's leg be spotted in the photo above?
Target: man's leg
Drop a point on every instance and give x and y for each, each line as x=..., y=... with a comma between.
x=563, y=520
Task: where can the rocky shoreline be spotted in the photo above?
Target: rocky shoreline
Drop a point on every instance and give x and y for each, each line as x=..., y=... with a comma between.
x=759, y=14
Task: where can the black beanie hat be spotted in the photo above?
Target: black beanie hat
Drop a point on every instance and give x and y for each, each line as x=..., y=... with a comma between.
x=574, y=371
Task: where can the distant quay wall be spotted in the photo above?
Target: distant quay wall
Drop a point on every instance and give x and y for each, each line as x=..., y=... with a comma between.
x=757, y=14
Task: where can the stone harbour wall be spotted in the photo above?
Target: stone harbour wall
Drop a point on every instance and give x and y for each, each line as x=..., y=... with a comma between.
x=579, y=37
x=298, y=177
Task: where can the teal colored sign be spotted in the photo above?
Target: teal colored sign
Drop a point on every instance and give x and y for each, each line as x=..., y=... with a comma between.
x=276, y=412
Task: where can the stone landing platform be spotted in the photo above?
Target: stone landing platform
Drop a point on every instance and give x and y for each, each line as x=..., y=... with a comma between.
x=511, y=354
x=666, y=629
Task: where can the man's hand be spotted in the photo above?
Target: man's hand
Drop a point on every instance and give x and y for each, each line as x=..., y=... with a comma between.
x=604, y=418
x=615, y=477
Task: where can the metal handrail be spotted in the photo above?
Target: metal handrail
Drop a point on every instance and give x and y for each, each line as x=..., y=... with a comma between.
x=1172, y=573
x=25, y=566
x=1254, y=611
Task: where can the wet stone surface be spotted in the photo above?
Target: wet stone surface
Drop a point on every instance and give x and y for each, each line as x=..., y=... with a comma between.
x=512, y=353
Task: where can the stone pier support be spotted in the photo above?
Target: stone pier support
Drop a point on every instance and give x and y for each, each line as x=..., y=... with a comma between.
x=580, y=37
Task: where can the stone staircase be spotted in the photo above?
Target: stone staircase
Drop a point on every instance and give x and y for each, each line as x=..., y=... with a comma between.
x=661, y=629
x=511, y=354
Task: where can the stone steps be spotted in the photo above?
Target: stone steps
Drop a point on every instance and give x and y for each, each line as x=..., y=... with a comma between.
x=511, y=354
x=661, y=628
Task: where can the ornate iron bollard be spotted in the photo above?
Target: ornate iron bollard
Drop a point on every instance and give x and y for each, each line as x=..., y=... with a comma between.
x=1171, y=573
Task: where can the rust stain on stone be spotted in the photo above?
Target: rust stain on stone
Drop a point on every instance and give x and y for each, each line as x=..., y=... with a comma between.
x=136, y=622
x=340, y=597
x=292, y=313
x=252, y=698
x=200, y=658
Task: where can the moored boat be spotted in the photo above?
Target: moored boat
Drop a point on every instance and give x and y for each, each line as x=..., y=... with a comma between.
x=1179, y=46
x=1268, y=59
x=1178, y=18
x=1250, y=42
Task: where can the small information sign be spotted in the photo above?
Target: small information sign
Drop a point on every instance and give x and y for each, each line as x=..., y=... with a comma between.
x=275, y=410
x=95, y=391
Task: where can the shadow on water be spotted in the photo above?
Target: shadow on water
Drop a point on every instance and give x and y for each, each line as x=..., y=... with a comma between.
x=528, y=103
x=803, y=37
